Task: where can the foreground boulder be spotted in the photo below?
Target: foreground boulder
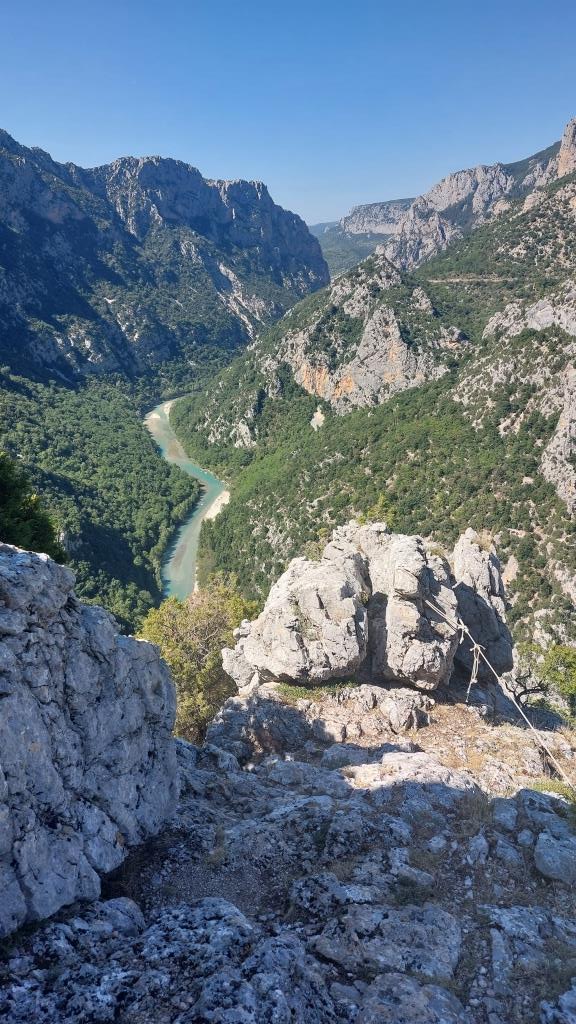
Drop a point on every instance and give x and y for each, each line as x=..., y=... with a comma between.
x=378, y=606
x=87, y=762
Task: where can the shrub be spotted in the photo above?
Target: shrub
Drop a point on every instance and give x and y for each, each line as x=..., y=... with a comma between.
x=23, y=521
x=190, y=635
x=559, y=672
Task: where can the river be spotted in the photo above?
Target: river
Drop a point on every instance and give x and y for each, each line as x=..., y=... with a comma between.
x=179, y=565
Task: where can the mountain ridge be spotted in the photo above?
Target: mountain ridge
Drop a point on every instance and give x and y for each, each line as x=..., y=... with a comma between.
x=392, y=386
x=458, y=203
x=127, y=265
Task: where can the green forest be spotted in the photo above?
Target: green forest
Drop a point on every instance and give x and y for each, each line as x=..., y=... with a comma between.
x=115, y=501
x=438, y=475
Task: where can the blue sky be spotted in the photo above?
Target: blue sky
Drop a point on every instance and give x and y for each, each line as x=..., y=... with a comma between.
x=331, y=104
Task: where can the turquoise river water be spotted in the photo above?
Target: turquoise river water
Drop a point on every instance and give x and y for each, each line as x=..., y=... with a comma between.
x=179, y=567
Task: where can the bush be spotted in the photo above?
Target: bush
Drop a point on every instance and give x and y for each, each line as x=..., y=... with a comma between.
x=559, y=672
x=190, y=635
x=23, y=521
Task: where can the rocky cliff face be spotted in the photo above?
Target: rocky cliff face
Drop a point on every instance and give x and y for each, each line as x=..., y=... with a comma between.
x=87, y=763
x=567, y=154
x=139, y=261
x=351, y=348
x=460, y=202
x=363, y=854
x=376, y=218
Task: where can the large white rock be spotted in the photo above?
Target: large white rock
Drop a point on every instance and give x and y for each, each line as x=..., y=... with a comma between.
x=411, y=606
x=87, y=761
x=313, y=626
x=376, y=606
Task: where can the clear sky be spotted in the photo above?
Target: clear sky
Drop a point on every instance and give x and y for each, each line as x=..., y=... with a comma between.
x=330, y=103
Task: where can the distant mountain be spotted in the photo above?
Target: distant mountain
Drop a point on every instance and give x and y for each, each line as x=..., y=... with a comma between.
x=376, y=218
x=350, y=240
x=341, y=249
x=463, y=201
x=447, y=392
x=413, y=230
x=124, y=266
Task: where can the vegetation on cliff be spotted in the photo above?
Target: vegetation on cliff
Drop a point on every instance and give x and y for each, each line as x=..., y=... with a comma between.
x=464, y=450
x=23, y=520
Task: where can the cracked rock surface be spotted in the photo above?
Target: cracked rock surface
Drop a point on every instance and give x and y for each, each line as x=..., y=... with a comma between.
x=87, y=764
x=363, y=881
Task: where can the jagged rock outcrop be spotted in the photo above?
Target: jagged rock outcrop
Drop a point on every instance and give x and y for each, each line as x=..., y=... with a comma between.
x=313, y=626
x=377, y=606
x=326, y=883
x=556, y=310
x=354, y=351
x=418, y=229
x=381, y=365
x=195, y=262
x=462, y=201
x=482, y=605
x=87, y=762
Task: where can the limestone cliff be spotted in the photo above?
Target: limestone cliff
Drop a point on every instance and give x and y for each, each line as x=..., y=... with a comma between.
x=460, y=202
x=121, y=267
x=567, y=153
x=87, y=763
x=376, y=218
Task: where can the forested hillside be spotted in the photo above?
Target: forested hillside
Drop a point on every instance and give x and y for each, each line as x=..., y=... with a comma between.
x=147, y=277
x=115, y=500
x=485, y=441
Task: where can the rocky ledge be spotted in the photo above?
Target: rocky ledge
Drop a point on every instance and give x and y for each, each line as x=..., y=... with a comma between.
x=367, y=882
x=363, y=851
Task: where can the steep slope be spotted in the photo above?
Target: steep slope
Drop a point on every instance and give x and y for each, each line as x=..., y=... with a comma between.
x=146, y=275
x=115, y=500
x=376, y=218
x=464, y=200
x=129, y=265
x=481, y=339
